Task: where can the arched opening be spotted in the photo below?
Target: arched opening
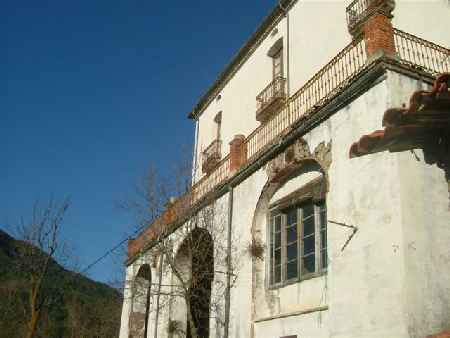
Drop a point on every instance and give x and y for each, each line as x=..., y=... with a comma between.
x=195, y=262
x=141, y=290
x=290, y=219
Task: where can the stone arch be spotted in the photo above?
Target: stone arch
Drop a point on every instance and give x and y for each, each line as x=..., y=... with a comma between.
x=140, y=303
x=194, y=260
x=295, y=161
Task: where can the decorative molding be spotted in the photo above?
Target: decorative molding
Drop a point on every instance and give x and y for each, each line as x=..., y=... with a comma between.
x=296, y=155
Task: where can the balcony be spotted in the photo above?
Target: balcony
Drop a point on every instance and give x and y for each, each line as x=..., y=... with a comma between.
x=211, y=156
x=271, y=99
x=327, y=84
x=359, y=10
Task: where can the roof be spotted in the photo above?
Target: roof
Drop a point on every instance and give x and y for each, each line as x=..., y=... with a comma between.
x=425, y=122
x=241, y=56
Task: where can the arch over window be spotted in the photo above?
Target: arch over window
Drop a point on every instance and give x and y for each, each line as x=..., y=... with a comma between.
x=290, y=216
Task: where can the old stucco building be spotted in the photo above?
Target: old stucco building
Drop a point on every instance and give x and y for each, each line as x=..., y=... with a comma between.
x=299, y=240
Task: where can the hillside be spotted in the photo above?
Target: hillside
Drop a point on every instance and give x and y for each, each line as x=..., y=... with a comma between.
x=82, y=309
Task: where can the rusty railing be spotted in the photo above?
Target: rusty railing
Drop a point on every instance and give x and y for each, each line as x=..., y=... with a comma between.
x=275, y=90
x=324, y=84
x=421, y=53
x=211, y=156
x=208, y=182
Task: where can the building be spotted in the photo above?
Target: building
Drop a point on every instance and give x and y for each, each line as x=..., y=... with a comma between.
x=292, y=237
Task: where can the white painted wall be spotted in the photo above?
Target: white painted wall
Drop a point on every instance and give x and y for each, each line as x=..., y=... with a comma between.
x=318, y=31
x=428, y=19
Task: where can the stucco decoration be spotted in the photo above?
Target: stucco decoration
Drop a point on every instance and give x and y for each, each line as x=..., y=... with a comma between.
x=297, y=155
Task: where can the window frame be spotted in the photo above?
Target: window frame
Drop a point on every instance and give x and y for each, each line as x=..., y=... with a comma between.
x=320, y=269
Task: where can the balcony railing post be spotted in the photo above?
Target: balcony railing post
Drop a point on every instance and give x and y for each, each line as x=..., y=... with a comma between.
x=373, y=19
x=379, y=36
x=238, y=154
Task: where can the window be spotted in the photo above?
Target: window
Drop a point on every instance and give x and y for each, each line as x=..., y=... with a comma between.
x=298, y=242
x=218, y=121
x=276, y=53
x=278, y=64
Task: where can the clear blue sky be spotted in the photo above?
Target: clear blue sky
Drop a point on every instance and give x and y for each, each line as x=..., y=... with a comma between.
x=93, y=91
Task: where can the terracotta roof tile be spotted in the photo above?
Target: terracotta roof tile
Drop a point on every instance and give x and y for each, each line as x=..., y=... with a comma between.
x=427, y=116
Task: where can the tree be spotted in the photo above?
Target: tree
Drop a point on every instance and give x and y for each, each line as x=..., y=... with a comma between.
x=191, y=252
x=36, y=259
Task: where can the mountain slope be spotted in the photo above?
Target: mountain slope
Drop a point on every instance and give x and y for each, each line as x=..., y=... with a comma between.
x=82, y=309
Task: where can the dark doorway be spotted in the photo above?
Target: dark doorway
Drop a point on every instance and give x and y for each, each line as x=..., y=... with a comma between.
x=201, y=247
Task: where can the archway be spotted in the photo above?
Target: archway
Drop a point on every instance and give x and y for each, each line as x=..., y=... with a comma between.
x=141, y=291
x=195, y=261
x=296, y=179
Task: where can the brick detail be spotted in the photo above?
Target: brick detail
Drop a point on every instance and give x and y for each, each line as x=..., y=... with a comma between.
x=379, y=35
x=133, y=247
x=238, y=153
x=445, y=334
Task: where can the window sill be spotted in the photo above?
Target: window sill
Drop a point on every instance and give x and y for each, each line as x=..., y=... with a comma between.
x=291, y=314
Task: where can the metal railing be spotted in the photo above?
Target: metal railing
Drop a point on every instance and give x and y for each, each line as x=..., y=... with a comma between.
x=208, y=182
x=324, y=84
x=275, y=90
x=420, y=53
x=211, y=155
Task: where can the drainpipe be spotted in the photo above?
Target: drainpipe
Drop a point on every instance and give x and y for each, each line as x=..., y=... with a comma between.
x=229, y=272
x=161, y=261
x=288, y=77
x=194, y=166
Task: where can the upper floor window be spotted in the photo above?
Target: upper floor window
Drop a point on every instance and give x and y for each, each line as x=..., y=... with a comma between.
x=218, y=121
x=212, y=154
x=276, y=53
x=272, y=97
x=298, y=242
x=277, y=61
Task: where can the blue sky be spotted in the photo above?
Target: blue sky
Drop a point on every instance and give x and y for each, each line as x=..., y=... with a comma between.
x=92, y=92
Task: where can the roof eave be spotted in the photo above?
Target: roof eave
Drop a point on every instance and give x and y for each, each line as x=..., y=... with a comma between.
x=245, y=51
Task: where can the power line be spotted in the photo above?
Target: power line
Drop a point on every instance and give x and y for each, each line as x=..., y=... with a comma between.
x=110, y=251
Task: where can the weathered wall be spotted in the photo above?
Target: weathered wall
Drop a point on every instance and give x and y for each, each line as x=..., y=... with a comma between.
x=374, y=287
x=425, y=220
x=390, y=281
